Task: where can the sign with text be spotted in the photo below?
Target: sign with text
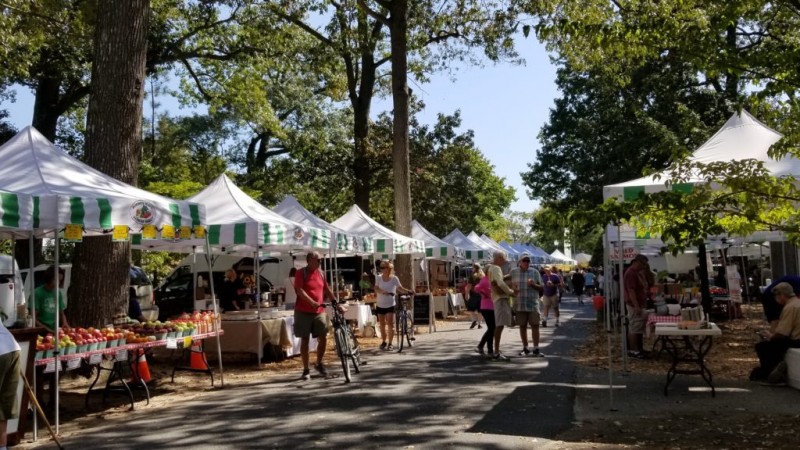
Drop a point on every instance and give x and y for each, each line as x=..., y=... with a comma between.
x=73, y=232
x=149, y=232
x=95, y=358
x=121, y=355
x=628, y=253
x=167, y=232
x=120, y=233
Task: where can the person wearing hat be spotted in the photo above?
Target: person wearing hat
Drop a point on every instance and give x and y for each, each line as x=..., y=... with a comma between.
x=526, y=283
x=550, y=299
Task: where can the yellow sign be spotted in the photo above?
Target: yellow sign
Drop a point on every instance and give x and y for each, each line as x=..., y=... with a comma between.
x=149, y=232
x=73, y=233
x=185, y=232
x=187, y=341
x=120, y=233
x=200, y=232
x=167, y=232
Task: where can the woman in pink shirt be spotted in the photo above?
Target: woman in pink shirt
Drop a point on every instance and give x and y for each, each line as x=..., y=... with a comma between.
x=484, y=288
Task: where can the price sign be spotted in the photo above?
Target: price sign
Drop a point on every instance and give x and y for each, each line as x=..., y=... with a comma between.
x=185, y=232
x=172, y=343
x=167, y=232
x=51, y=366
x=200, y=232
x=120, y=233
x=95, y=358
x=187, y=341
x=73, y=232
x=121, y=355
x=149, y=232
x=73, y=363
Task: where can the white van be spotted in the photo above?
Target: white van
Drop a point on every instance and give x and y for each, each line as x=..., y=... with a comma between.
x=12, y=292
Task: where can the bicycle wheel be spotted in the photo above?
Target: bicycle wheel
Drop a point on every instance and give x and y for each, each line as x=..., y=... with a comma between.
x=409, y=328
x=342, y=350
x=403, y=330
x=355, y=352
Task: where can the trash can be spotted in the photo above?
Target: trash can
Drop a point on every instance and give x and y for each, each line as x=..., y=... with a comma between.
x=599, y=302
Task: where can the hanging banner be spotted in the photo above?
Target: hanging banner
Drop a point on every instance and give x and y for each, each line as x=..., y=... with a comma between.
x=167, y=232
x=149, y=232
x=120, y=233
x=200, y=232
x=73, y=233
x=185, y=232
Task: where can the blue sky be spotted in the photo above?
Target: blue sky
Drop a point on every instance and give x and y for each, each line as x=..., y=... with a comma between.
x=504, y=105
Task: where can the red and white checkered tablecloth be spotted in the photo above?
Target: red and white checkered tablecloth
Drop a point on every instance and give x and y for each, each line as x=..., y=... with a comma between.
x=653, y=319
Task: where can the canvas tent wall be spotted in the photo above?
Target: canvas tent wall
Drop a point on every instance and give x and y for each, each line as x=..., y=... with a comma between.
x=16, y=215
x=562, y=258
x=512, y=254
x=67, y=191
x=472, y=252
x=387, y=243
x=346, y=242
x=434, y=247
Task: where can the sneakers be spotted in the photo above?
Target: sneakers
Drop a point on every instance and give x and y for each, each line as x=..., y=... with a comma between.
x=390, y=347
x=474, y=324
x=544, y=323
x=500, y=357
x=321, y=369
x=637, y=355
x=479, y=351
x=383, y=346
x=525, y=352
x=306, y=375
x=537, y=354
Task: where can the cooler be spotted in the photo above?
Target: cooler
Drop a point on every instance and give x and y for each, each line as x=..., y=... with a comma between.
x=792, y=359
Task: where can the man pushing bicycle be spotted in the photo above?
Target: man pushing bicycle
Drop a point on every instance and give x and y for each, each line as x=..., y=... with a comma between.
x=309, y=311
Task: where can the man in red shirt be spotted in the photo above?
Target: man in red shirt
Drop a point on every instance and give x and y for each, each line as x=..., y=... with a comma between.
x=635, y=303
x=309, y=313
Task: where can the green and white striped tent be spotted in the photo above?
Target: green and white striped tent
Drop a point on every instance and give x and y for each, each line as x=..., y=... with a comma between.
x=238, y=224
x=66, y=191
x=346, y=243
x=742, y=137
x=435, y=248
x=16, y=215
x=472, y=252
x=387, y=243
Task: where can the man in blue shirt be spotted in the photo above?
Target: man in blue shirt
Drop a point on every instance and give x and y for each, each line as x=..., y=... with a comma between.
x=526, y=282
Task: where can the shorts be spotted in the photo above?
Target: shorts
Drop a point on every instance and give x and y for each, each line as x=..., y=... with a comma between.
x=636, y=322
x=550, y=300
x=382, y=311
x=306, y=324
x=503, y=316
x=9, y=381
x=531, y=318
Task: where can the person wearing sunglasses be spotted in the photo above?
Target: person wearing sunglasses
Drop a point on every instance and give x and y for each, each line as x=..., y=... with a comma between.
x=387, y=286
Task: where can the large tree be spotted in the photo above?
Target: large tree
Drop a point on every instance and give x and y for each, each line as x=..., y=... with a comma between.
x=113, y=146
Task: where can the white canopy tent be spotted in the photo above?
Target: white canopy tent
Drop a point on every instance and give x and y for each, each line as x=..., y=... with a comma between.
x=472, y=251
x=510, y=251
x=16, y=215
x=480, y=243
x=68, y=193
x=386, y=242
x=346, y=242
x=562, y=258
x=434, y=247
x=583, y=258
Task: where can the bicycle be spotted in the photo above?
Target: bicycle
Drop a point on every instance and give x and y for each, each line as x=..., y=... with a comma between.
x=404, y=321
x=345, y=342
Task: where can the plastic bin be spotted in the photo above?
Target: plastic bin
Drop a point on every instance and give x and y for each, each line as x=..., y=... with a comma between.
x=792, y=359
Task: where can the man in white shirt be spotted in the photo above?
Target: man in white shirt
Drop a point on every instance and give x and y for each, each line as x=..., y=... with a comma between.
x=9, y=379
x=500, y=296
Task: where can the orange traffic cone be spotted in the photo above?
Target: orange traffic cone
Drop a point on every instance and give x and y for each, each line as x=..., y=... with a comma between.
x=197, y=358
x=141, y=371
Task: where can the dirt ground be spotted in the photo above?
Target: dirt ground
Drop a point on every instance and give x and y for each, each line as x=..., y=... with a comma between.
x=731, y=355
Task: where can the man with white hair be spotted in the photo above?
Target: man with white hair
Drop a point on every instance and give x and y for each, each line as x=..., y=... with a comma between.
x=772, y=350
x=500, y=296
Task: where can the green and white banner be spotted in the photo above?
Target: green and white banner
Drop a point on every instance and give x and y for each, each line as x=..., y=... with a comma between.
x=16, y=211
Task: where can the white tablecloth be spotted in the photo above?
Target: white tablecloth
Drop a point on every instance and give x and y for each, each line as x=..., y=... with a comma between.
x=457, y=300
x=440, y=304
x=295, y=349
x=361, y=314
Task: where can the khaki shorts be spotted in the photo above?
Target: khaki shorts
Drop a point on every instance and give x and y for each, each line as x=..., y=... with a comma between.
x=531, y=318
x=9, y=379
x=502, y=313
x=636, y=322
x=550, y=300
x=306, y=324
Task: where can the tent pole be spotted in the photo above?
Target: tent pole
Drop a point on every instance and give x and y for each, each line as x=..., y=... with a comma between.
x=29, y=290
x=216, y=309
x=257, y=280
x=623, y=315
x=431, y=312
x=56, y=351
x=607, y=312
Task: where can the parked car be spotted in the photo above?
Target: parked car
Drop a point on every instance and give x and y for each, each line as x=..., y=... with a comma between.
x=177, y=293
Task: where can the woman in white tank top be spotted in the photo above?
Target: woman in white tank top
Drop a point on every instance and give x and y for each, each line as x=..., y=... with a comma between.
x=387, y=286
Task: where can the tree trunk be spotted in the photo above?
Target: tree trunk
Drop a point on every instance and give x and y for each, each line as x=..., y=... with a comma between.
x=113, y=146
x=400, y=157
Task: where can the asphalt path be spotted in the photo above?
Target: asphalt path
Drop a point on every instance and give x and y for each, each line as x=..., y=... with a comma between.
x=438, y=393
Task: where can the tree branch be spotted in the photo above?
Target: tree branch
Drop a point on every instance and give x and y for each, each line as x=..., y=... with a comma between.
x=374, y=14
x=196, y=79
